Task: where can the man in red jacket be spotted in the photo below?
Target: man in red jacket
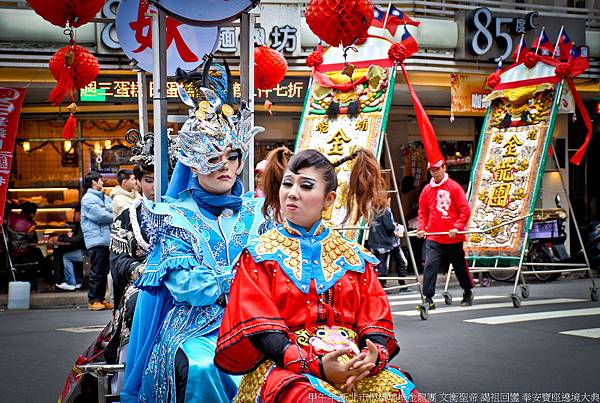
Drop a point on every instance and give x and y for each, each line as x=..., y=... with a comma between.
x=443, y=207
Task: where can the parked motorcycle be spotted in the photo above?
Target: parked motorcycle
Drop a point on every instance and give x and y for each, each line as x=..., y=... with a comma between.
x=546, y=245
x=592, y=244
x=548, y=235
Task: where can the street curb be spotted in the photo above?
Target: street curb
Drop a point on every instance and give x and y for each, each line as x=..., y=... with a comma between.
x=44, y=300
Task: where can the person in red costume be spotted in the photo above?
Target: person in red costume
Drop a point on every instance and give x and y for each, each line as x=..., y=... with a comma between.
x=443, y=207
x=307, y=319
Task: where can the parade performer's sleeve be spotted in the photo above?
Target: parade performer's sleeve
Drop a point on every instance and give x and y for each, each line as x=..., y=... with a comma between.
x=462, y=206
x=174, y=264
x=150, y=311
x=199, y=286
x=423, y=212
x=251, y=311
x=374, y=317
x=122, y=267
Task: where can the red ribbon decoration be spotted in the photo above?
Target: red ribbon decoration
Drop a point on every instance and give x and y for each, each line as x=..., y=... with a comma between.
x=432, y=147
x=576, y=159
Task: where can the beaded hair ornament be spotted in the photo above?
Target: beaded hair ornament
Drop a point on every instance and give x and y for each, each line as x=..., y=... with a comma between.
x=210, y=129
x=142, y=149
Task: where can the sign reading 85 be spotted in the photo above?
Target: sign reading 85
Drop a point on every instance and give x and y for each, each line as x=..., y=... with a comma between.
x=485, y=30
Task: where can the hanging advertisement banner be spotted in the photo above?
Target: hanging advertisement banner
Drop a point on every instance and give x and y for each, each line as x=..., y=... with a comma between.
x=11, y=100
x=510, y=160
x=361, y=102
x=467, y=93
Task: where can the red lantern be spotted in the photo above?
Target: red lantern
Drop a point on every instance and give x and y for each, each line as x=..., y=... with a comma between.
x=73, y=67
x=61, y=12
x=339, y=22
x=269, y=67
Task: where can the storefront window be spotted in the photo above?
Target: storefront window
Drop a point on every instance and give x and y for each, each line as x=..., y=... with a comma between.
x=458, y=155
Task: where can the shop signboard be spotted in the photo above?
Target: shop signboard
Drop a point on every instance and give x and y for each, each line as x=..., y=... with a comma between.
x=11, y=100
x=186, y=45
x=124, y=89
x=493, y=34
x=277, y=26
x=510, y=160
x=467, y=93
x=362, y=103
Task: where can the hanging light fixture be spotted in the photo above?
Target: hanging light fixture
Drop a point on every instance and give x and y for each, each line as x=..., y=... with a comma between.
x=26, y=146
x=67, y=145
x=108, y=144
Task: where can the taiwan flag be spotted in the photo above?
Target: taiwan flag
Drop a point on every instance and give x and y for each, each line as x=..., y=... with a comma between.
x=378, y=18
x=542, y=42
x=578, y=63
x=401, y=17
x=395, y=18
x=564, y=45
x=409, y=42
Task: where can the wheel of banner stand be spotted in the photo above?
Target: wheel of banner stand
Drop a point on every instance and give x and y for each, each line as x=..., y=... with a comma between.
x=525, y=291
x=447, y=298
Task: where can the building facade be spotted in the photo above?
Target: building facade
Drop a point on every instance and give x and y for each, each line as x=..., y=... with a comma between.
x=460, y=43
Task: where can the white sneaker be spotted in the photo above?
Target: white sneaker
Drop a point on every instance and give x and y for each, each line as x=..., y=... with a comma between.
x=77, y=286
x=65, y=286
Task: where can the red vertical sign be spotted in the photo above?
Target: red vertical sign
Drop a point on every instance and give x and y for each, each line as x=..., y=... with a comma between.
x=11, y=100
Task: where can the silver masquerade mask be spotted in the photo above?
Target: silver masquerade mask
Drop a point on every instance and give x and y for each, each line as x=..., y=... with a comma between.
x=211, y=127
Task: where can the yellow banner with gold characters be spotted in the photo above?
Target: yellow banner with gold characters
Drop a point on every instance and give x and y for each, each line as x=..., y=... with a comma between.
x=346, y=108
x=509, y=167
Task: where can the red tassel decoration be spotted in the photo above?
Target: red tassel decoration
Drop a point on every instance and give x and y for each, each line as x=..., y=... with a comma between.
x=69, y=129
x=64, y=87
x=269, y=106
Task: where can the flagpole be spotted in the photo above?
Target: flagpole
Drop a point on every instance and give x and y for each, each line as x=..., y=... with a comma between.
x=386, y=18
x=520, y=46
x=562, y=27
x=539, y=40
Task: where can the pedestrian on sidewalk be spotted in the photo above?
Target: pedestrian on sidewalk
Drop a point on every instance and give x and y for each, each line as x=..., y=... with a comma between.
x=384, y=243
x=96, y=219
x=124, y=193
x=443, y=207
x=71, y=252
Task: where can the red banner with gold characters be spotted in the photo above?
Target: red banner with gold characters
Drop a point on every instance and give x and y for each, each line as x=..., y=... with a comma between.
x=11, y=100
x=509, y=166
x=347, y=108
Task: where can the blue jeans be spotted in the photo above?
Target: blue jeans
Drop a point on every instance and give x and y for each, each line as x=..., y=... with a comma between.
x=68, y=259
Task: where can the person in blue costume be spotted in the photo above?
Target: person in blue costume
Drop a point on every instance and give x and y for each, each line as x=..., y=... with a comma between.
x=197, y=234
